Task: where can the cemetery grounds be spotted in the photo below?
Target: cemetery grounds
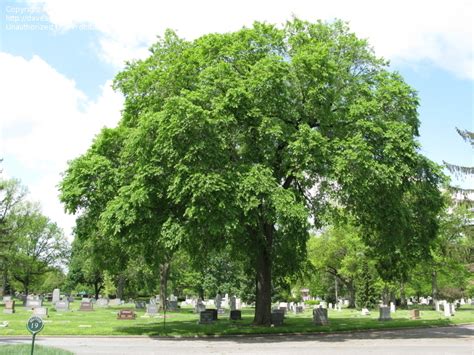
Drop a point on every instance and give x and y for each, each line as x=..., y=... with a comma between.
x=184, y=322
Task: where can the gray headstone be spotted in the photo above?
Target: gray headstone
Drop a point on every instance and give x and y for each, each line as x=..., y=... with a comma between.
x=172, y=305
x=102, y=302
x=140, y=304
x=32, y=303
x=62, y=306
x=384, y=313
x=56, y=294
x=233, y=305
x=320, y=316
x=151, y=309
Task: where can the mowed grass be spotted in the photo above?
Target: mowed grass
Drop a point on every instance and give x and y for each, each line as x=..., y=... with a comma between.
x=25, y=349
x=184, y=322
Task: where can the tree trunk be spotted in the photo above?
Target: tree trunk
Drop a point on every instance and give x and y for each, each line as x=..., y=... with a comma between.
x=352, y=291
x=97, y=288
x=263, y=303
x=164, y=272
x=5, y=282
x=434, y=286
x=385, y=296
x=403, y=298
x=120, y=285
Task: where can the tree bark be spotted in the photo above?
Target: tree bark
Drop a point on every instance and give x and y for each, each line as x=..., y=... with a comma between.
x=164, y=272
x=263, y=303
x=120, y=285
x=352, y=291
x=403, y=298
x=434, y=286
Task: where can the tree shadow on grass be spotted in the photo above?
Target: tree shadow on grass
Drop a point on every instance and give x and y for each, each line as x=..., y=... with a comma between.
x=244, y=332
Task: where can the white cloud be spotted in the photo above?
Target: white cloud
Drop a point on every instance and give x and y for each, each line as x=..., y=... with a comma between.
x=46, y=121
x=410, y=31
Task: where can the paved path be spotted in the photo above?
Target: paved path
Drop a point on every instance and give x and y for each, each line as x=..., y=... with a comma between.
x=457, y=340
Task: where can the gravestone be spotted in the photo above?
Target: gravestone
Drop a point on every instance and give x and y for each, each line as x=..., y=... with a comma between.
x=115, y=302
x=126, y=314
x=384, y=313
x=140, y=304
x=62, y=306
x=447, y=310
x=330, y=306
x=415, y=314
x=214, y=313
x=206, y=317
x=56, y=294
x=365, y=312
x=86, y=299
x=172, y=305
x=436, y=304
x=151, y=309
x=200, y=306
x=233, y=305
x=70, y=299
x=218, y=301
x=9, y=307
x=392, y=307
x=40, y=312
x=86, y=307
x=320, y=316
x=277, y=317
x=453, y=309
x=102, y=302
x=33, y=303
x=7, y=298
x=235, y=315
x=298, y=309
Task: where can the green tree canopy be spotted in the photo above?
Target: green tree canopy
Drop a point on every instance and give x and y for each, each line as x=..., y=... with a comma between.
x=241, y=139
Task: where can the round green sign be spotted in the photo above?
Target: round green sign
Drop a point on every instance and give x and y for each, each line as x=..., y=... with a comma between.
x=35, y=325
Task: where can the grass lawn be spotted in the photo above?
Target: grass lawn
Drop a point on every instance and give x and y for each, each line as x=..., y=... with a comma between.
x=102, y=321
x=25, y=349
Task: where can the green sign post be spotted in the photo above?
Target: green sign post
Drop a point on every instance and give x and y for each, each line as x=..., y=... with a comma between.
x=35, y=325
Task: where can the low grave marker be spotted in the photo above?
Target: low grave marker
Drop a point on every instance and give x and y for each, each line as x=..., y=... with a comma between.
x=235, y=315
x=86, y=307
x=62, y=306
x=415, y=314
x=40, y=312
x=206, y=317
x=9, y=307
x=126, y=314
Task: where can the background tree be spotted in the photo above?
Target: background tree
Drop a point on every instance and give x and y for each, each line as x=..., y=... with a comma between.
x=12, y=220
x=40, y=247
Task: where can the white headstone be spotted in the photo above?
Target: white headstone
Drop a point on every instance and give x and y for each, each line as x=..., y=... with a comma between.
x=56, y=295
x=392, y=307
x=447, y=310
x=218, y=301
x=365, y=312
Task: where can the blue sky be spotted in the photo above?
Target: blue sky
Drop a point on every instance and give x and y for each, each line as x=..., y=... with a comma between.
x=57, y=60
